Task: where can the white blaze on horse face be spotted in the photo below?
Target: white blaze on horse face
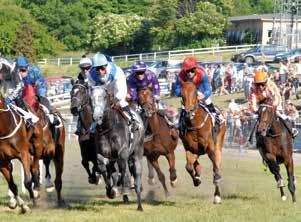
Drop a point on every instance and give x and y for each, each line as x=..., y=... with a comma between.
x=75, y=91
x=98, y=102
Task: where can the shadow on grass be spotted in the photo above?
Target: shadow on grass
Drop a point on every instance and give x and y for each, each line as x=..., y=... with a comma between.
x=240, y=197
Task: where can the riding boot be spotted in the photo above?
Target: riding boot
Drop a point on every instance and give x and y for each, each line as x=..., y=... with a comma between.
x=216, y=114
x=182, y=124
x=132, y=121
x=293, y=131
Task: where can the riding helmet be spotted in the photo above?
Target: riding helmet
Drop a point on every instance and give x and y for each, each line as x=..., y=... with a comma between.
x=85, y=62
x=99, y=60
x=260, y=76
x=22, y=62
x=138, y=66
x=189, y=63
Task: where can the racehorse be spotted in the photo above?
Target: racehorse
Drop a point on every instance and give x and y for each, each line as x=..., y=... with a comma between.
x=275, y=146
x=164, y=140
x=81, y=107
x=114, y=142
x=53, y=143
x=201, y=138
x=14, y=144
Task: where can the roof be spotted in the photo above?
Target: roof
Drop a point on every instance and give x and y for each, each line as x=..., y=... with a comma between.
x=262, y=17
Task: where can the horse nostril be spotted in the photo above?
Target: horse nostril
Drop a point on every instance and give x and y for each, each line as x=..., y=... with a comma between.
x=74, y=111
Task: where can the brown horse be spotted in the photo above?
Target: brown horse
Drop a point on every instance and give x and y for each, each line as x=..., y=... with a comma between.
x=14, y=144
x=52, y=143
x=275, y=146
x=164, y=139
x=199, y=139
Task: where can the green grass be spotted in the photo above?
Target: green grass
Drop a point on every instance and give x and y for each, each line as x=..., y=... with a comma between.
x=249, y=194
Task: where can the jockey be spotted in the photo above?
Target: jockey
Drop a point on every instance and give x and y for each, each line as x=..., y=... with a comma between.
x=85, y=65
x=32, y=75
x=265, y=88
x=192, y=72
x=141, y=77
x=105, y=72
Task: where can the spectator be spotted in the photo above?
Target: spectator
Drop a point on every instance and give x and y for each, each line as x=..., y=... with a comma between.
x=283, y=70
x=287, y=91
x=292, y=113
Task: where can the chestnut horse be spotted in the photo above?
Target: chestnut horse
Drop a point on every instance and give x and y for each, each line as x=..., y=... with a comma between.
x=275, y=146
x=53, y=143
x=199, y=139
x=164, y=139
x=14, y=144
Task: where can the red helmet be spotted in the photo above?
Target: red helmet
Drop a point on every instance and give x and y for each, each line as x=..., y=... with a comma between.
x=189, y=63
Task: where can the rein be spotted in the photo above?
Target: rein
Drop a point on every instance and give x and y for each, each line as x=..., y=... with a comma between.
x=18, y=125
x=199, y=126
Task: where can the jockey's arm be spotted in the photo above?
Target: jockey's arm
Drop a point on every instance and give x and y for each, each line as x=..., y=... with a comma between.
x=205, y=87
x=121, y=87
x=156, y=86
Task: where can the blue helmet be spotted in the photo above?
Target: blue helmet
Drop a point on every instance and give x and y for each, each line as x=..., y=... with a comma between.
x=99, y=60
x=22, y=61
x=138, y=66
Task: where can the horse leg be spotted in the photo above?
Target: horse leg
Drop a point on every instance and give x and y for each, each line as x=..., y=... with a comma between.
x=36, y=176
x=112, y=173
x=125, y=178
x=151, y=173
x=216, y=159
x=26, y=163
x=85, y=163
x=6, y=170
x=190, y=160
x=172, y=169
x=48, y=184
x=155, y=164
x=59, y=165
x=291, y=179
x=138, y=182
x=197, y=169
x=275, y=169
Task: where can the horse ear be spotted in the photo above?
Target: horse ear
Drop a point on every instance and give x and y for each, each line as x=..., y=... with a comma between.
x=72, y=81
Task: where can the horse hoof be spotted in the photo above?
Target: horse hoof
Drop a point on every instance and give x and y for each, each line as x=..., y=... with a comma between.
x=140, y=208
x=283, y=198
x=197, y=181
x=151, y=181
x=126, y=199
x=36, y=194
x=173, y=183
x=24, y=209
x=217, y=200
x=50, y=189
x=12, y=204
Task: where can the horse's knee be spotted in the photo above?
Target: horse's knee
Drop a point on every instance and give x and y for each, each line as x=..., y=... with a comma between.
x=189, y=167
x=217, y=179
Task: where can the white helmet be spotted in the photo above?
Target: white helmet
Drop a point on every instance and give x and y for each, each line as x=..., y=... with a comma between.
x=85, y=62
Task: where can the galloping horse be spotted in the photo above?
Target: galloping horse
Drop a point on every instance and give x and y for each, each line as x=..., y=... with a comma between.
x=53, y=143
x=275, y=146
x=199, y=138
x=114, y=142
x=164, y=140
x=81, y=107
x=14, y=144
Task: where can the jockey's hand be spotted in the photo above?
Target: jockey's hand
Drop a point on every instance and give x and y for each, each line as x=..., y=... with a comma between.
x=200, y=96
x=115, y=101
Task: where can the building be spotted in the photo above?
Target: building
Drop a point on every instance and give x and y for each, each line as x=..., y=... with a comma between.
x=265, y=29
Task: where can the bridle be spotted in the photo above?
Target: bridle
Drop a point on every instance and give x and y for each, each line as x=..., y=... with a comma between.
x=82, y=104
x=268, y=124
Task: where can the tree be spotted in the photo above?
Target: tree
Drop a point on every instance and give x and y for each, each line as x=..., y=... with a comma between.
x=115, y=31
x=23, y=45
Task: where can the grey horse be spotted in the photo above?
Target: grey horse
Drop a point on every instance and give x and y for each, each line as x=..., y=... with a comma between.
x=114, y=142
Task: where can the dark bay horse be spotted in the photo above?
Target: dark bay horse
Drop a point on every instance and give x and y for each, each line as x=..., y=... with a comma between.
x=52, y=143
x=115, y=144
x=199, y=139
x=81, y=106
x=164, y=139
x=275, y=145
x=14, y=144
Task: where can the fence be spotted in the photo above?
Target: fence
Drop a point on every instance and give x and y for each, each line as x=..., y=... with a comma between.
x=153, y=55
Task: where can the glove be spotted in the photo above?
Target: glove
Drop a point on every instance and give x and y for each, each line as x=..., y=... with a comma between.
x=200, y=95
x=115, y=100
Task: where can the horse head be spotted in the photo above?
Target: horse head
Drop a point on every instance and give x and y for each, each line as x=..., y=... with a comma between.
x=146, y=101
x=266, y=115
x=79, y=97
x=189, y=98
x=100, y=101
